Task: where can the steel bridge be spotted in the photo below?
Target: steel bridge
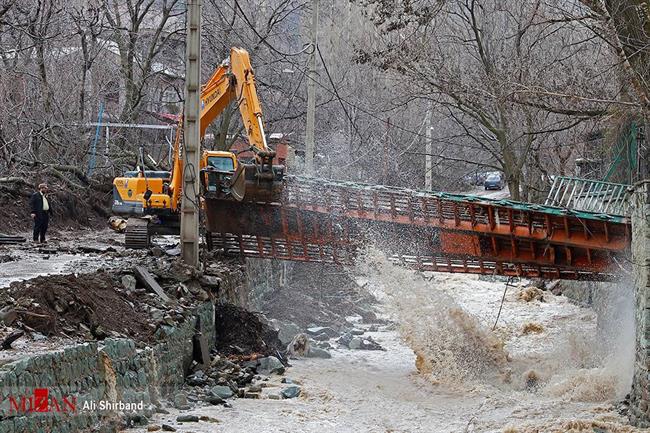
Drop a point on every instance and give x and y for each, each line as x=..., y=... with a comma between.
x=327, y=221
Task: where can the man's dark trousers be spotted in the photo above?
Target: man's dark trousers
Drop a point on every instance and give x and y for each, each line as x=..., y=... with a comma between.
x=40, y=225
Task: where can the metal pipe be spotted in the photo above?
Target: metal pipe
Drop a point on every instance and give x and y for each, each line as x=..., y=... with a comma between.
x=548, y=198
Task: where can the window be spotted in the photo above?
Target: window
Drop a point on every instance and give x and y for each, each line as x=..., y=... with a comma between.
x=221, y=163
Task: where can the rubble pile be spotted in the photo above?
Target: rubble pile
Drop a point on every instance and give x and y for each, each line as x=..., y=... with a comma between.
x=243, y=332
x=236, y=377
x=109, y=303
x=247, y=362
x=324, y=298
x=89, y=307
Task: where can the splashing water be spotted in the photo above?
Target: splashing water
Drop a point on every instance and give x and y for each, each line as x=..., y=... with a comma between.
x=451, y=346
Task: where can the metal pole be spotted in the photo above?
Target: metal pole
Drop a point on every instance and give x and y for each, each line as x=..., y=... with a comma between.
x=311, y=94
x=191, y=142
x=428, y=166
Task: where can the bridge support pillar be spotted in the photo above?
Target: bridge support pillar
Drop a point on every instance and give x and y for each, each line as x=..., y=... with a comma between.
x=640, y=395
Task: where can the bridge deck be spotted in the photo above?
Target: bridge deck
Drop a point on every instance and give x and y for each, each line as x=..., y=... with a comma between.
x=328, y=221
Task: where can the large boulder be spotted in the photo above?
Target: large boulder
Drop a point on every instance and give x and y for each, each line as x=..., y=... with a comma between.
x=221, y=391
x=317, y=352
x=286, y=330
x=270, y=364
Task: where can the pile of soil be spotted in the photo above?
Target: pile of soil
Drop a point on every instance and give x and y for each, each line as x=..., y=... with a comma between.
x=70, y=305
x=240, y=332
x=319, y=295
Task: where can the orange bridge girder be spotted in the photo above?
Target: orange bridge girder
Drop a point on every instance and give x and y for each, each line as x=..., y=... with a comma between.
x=326, y=221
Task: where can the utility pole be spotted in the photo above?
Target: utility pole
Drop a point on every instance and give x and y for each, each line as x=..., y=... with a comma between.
x=311, y=93
x=428, y=162
x=192, y=139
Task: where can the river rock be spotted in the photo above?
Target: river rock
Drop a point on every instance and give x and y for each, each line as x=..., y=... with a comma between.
x=355, y=343
x=187, y=418
x=317, y=352
x=222, y=391
x=318, y=330
x=197, y=379
x=255, y=388
x=286, y=330
x=213, y=399
x=291, y=391
x=270, y=364
x=321, y=337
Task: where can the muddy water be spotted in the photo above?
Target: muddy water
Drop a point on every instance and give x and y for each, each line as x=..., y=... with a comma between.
x=445, y=370
x=548, y=355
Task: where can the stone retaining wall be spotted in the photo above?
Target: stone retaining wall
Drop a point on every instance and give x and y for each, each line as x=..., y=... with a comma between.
x=113, y=370
x=640, y=395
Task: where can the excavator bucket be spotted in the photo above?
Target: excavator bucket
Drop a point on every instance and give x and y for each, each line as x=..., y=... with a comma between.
x=251, y=184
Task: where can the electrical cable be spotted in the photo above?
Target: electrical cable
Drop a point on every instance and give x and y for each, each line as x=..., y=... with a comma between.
x=265, y=42
x=336, y=93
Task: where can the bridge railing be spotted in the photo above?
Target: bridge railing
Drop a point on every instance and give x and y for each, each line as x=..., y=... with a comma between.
x=589, y=195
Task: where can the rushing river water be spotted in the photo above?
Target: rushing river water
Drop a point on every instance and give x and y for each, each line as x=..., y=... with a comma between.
x=549, y=366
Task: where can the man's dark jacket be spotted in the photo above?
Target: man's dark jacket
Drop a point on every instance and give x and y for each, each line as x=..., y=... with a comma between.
x=36, y=203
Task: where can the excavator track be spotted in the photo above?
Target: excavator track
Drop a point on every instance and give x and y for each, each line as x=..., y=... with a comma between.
x=137, y=235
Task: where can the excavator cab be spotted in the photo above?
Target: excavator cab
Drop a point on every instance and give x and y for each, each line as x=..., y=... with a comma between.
x=217, y=170
x=224, y=177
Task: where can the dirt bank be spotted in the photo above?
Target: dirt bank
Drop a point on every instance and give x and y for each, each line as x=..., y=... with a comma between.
x=73, y=208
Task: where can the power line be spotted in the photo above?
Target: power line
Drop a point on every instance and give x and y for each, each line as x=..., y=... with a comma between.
x=336, y=92
x=263, y=38
x=318, y=83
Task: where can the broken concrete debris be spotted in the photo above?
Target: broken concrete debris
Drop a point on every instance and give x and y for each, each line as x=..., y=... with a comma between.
x=129, y=283
x=144, y=277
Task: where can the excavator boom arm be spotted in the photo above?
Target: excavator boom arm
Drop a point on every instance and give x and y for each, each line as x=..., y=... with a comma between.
x=233, y=80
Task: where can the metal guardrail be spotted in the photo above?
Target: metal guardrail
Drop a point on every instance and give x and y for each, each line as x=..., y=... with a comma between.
x=589, y=195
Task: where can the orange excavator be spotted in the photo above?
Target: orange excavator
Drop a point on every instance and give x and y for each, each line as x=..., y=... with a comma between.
x=152, y=199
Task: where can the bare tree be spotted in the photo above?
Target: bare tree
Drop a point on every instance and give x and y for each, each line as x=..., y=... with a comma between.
x=141, y=29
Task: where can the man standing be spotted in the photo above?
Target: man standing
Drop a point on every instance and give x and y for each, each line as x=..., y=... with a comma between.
x=41, y=211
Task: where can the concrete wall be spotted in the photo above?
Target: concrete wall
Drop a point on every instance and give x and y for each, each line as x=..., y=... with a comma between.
x=111, y=370
x=640, y=395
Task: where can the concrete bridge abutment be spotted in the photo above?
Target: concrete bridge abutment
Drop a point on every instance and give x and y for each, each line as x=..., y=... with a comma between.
x=640, y=394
